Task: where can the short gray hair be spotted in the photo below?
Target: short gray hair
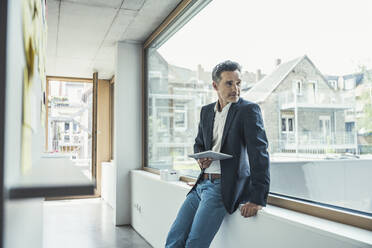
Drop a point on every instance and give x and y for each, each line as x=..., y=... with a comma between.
x=227, y=65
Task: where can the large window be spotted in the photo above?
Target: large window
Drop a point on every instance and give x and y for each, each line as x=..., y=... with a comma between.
x=300, y=79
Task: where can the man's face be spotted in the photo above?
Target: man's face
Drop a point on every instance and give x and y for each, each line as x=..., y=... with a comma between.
x=228, y=88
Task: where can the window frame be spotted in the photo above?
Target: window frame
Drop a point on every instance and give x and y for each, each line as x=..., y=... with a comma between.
x=315, y=92
x=350, y=84
x=333, y=83
x=287, y=118
x=184, y=113
x=301, y=206
x=295, y=89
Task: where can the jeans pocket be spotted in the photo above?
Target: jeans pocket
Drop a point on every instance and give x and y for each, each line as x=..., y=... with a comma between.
x=217, y=181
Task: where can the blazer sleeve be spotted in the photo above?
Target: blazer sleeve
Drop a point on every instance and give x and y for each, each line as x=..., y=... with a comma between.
x=257, y=144
x=199, y=141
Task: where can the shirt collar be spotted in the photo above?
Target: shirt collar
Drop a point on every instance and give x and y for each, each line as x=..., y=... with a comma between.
x=226, y=108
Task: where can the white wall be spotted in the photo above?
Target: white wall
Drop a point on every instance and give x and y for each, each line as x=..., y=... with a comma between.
x=128, y=125
x=15, y=63
x=23, y=223
x=23, y=218
x=107, y=183
x=156, y=203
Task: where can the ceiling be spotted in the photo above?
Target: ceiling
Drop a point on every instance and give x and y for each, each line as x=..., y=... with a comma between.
x=82, y=34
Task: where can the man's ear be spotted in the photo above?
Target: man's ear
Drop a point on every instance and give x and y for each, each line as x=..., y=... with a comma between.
x=214, y=85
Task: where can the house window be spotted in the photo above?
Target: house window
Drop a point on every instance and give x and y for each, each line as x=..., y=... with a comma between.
x=163, y=152
x=311, y=91
x=290, y=124
x=312, y=87
x=284, y=126
x=287, y=124
x=163, y=118
x=179, y=153
x=67, y=126
x=180, y=120
x=298, y=87
x=333, y=83
x=349, y=126
x=349, y=84
x=75, y=126
x=180, y=117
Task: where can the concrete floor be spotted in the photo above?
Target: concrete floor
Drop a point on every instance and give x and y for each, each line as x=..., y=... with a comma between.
x=85, y=223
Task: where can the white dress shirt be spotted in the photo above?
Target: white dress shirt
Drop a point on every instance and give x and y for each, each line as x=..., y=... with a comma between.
x=218, y=126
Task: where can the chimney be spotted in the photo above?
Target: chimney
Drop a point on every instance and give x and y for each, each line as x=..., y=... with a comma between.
x=258, y=75
x=277, y=62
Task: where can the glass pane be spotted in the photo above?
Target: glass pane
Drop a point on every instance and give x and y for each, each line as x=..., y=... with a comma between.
x=284, y=124
x=176, y=96
x=325, y=160
x=70, y=123
x=180, y=121
x=290, y=124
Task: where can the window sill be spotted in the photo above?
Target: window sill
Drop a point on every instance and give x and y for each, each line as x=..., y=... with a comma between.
x=350, y=234
x=314, y=210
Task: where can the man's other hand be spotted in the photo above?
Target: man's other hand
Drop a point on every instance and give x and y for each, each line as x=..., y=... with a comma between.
x=249, y=209
x=204, y=162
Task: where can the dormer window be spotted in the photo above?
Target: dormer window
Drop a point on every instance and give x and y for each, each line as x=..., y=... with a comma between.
x=350, y=84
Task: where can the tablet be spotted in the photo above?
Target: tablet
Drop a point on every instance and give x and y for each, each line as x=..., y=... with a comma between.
x=210, y=154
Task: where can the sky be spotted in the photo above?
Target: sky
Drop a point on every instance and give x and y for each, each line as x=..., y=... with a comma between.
x=335, y=35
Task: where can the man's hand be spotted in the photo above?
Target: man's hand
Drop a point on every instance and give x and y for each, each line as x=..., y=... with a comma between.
x=249, y=209
x=204, y=162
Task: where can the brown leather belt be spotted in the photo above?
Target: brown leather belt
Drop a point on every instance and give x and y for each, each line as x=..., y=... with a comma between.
x=211, y=176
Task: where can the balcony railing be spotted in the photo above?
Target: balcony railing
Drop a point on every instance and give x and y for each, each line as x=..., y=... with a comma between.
x=319, y=138
x=289, y=99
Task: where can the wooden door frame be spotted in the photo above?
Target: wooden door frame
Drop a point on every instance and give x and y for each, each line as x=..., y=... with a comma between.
x=94, y=131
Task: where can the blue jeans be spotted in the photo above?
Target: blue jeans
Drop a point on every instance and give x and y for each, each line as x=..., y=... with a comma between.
x=199, y=218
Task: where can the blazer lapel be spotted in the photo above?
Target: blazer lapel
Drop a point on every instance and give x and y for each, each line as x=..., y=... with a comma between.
x=209, y=124
x=229, y=119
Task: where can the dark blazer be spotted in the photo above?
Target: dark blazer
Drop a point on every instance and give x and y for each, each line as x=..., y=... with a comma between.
x=245, y=177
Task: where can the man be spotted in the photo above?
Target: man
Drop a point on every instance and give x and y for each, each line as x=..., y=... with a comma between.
x=232, y=126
